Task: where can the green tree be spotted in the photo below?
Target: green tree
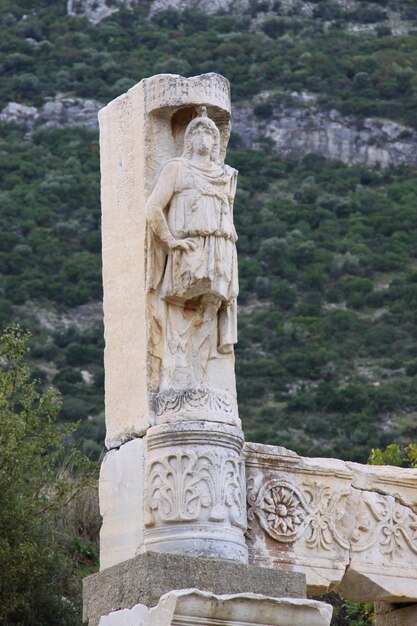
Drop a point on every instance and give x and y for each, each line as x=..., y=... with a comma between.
x=34, y=491
x=395, y=454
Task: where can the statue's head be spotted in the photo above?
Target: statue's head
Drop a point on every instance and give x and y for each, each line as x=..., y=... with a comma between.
x=202, y=121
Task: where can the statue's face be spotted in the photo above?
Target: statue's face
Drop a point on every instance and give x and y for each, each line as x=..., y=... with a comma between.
x=202, y=141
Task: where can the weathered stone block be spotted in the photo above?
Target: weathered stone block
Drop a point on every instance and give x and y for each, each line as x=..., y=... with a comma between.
x=121, y=488
x=346, y=526
x=395, y=614
x=383, y=546
x=295, y=508
x=139, y=132
x=145, y=578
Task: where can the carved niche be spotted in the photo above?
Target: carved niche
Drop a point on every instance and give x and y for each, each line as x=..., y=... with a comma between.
x=192, y=280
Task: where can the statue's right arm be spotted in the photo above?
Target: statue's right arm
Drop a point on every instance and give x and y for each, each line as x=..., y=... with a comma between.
x=158, y=200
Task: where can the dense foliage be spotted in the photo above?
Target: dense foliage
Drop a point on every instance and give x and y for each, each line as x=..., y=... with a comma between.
x=43, y=52
x=38, y=584
x=327, y=263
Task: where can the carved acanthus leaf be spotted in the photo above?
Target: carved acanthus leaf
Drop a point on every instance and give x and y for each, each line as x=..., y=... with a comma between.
x=385, y=522
x=181, y=484
x=175, y=400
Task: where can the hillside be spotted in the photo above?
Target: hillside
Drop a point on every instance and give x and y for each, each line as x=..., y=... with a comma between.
x=325, y=140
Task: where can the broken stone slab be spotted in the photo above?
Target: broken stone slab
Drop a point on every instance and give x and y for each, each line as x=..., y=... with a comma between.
x=383, y=546
x=146, y=577
x=383, y=555
x=387, y=480
x=295, y=508
x=189, y=606
x=347, y=526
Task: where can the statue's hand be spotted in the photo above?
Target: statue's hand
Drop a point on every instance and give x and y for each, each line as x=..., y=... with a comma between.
x=183, y=244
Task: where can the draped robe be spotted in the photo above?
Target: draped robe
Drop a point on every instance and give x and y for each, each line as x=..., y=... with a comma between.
x=197, y=202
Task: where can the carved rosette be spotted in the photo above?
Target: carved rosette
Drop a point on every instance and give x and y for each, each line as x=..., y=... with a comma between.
x=195, y=490
x=386, y=523
x=288, y=513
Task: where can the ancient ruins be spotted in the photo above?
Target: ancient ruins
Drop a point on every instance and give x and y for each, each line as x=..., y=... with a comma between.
x=198, y=526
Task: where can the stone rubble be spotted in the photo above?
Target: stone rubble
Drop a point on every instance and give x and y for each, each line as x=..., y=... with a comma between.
x=191, y=606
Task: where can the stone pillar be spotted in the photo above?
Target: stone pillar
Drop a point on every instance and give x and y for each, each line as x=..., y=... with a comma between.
x=195, y=497
x=141, y=131
x=172, y=485
x=173, y=479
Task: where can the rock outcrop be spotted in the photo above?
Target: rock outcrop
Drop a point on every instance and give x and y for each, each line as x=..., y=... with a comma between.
x=296, y=127
x=93, y=10
x=210, y=7
x=96, y=10
x=15, y=113
x=300, y=126
x=55, y=113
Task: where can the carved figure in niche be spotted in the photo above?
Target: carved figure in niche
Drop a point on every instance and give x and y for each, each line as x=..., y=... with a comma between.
x=192, y=268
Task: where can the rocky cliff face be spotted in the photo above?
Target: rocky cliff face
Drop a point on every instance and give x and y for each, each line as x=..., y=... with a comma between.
x=295, y=128
x=96, y=10
x=301, y=126
x=55, y=113
x=93, y=10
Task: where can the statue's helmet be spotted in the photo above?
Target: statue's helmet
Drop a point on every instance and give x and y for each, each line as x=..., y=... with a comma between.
x=202, y=120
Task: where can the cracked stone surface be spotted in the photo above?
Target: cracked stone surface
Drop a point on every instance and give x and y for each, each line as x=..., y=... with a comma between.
x=347, y=526
x=190, y=606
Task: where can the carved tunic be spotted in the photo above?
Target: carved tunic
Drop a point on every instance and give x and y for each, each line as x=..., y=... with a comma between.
x=200, y=207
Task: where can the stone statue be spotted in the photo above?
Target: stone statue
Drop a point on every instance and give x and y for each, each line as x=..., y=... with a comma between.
x=192, y=261
x=170, y=287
